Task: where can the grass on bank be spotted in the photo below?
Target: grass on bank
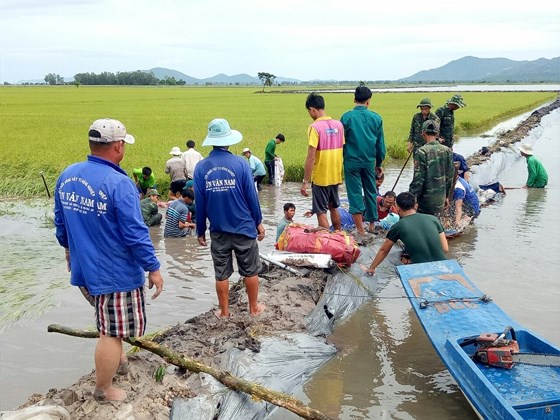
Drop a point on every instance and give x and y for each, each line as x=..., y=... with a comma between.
x=45, y=128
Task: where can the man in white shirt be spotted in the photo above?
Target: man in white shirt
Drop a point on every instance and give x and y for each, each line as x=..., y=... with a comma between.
x=191, y=158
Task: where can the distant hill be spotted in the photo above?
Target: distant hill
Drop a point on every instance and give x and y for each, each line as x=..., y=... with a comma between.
x=219, y=79
x=474, y=69
x=466, y=69
x=242, y=79
x=541, y=70
x=162, y=73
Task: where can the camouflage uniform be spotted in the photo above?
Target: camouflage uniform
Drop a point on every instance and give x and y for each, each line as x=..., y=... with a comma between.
x=415, y=136
x=433, y=177
x=150, y=212
x=447, y=120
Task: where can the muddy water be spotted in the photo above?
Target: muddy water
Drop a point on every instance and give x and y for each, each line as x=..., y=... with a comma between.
x=386, y=367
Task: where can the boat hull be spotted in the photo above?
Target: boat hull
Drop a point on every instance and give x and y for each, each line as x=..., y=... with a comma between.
x=451, y=308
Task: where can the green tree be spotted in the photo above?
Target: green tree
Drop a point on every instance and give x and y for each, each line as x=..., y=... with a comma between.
x=267, y=79
x=54, y=79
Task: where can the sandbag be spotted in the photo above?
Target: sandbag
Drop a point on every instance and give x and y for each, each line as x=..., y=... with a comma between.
x=278, y=172
x=308, y=239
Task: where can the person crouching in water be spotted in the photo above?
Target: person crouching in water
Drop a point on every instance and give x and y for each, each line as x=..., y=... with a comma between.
x=177, y=220
x=422, y=235
x=149, y=207
x=537, y=175
x=289, y=212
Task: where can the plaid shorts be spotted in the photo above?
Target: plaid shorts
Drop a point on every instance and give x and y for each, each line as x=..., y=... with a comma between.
x=121, y=314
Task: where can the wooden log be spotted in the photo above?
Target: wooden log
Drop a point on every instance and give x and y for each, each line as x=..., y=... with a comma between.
x=257, y=392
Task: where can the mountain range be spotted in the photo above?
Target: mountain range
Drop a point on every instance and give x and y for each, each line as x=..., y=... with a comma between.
x=219, y=79
x=467, y=69
x=494, y=70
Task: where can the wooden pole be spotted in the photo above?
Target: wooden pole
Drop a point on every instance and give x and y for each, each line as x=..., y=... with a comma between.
x=45, y=184
x=258, y=392
x=399, y=177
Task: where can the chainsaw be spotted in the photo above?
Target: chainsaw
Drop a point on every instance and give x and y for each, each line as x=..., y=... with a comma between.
x=498, y=351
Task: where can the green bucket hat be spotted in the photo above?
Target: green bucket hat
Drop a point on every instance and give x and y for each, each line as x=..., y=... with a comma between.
x=425, y=102
x=457, y=100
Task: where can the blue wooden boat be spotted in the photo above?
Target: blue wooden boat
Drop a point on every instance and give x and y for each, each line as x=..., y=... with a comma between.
x=452, y=310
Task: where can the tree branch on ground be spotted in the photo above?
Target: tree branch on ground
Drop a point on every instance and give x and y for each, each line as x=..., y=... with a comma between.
x=257, y=392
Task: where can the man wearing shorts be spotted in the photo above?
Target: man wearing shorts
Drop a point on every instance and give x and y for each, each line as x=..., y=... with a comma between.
x=323, y=165
x=108, y=248
x=225, y=194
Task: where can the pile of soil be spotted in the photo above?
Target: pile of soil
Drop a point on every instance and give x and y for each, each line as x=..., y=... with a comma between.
x=205, y=338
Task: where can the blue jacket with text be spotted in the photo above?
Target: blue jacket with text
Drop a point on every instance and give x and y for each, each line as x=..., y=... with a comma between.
x=97, y=217
x=225, y=193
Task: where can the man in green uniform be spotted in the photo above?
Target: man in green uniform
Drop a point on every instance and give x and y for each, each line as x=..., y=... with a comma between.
x=364, y=152
x=149, y=208
x=415, y=140
x=270, y=156
x=446, y=115
x=434, y=172
x=537, y=175
x=422, y=235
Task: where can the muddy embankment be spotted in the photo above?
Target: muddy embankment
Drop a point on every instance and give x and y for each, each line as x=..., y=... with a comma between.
x=206, y=338
x=289, y=300
x=512, y=136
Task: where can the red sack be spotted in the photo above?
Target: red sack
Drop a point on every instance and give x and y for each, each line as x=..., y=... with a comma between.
x=308, y=239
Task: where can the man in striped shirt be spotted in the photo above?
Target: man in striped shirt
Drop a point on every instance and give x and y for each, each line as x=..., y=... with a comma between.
x=177, y=220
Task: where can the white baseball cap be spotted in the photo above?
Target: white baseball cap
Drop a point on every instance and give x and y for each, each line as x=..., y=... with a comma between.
x=107, y=130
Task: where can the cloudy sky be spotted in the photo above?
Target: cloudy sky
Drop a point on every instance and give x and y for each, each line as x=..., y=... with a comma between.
x=344, y=39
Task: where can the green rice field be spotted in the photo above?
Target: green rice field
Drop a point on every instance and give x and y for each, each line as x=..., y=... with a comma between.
x=44, y=129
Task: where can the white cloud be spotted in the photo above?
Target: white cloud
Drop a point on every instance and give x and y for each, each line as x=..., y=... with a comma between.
x=356, y=39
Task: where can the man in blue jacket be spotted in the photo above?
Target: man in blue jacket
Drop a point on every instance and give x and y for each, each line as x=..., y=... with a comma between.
x=225, y=195
x=108, y=248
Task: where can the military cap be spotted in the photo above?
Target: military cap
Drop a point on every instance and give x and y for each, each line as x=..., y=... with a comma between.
x=430, y=127
x=425, y=102
x=457, y=100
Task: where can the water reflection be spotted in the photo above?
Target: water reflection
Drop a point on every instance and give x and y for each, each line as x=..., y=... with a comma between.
x=461, y=248
x=531, y=211
x=386, y=368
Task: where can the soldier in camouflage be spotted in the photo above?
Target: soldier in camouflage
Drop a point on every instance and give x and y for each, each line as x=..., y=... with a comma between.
x=446, y=115
x=433, y=172
x=415, y=140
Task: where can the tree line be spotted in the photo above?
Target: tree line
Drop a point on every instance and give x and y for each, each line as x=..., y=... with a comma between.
x=132, y=78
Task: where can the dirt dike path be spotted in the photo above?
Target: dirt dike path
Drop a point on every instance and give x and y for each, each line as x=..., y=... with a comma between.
x=289, y=299
x=205, y=338
x=515, y=135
